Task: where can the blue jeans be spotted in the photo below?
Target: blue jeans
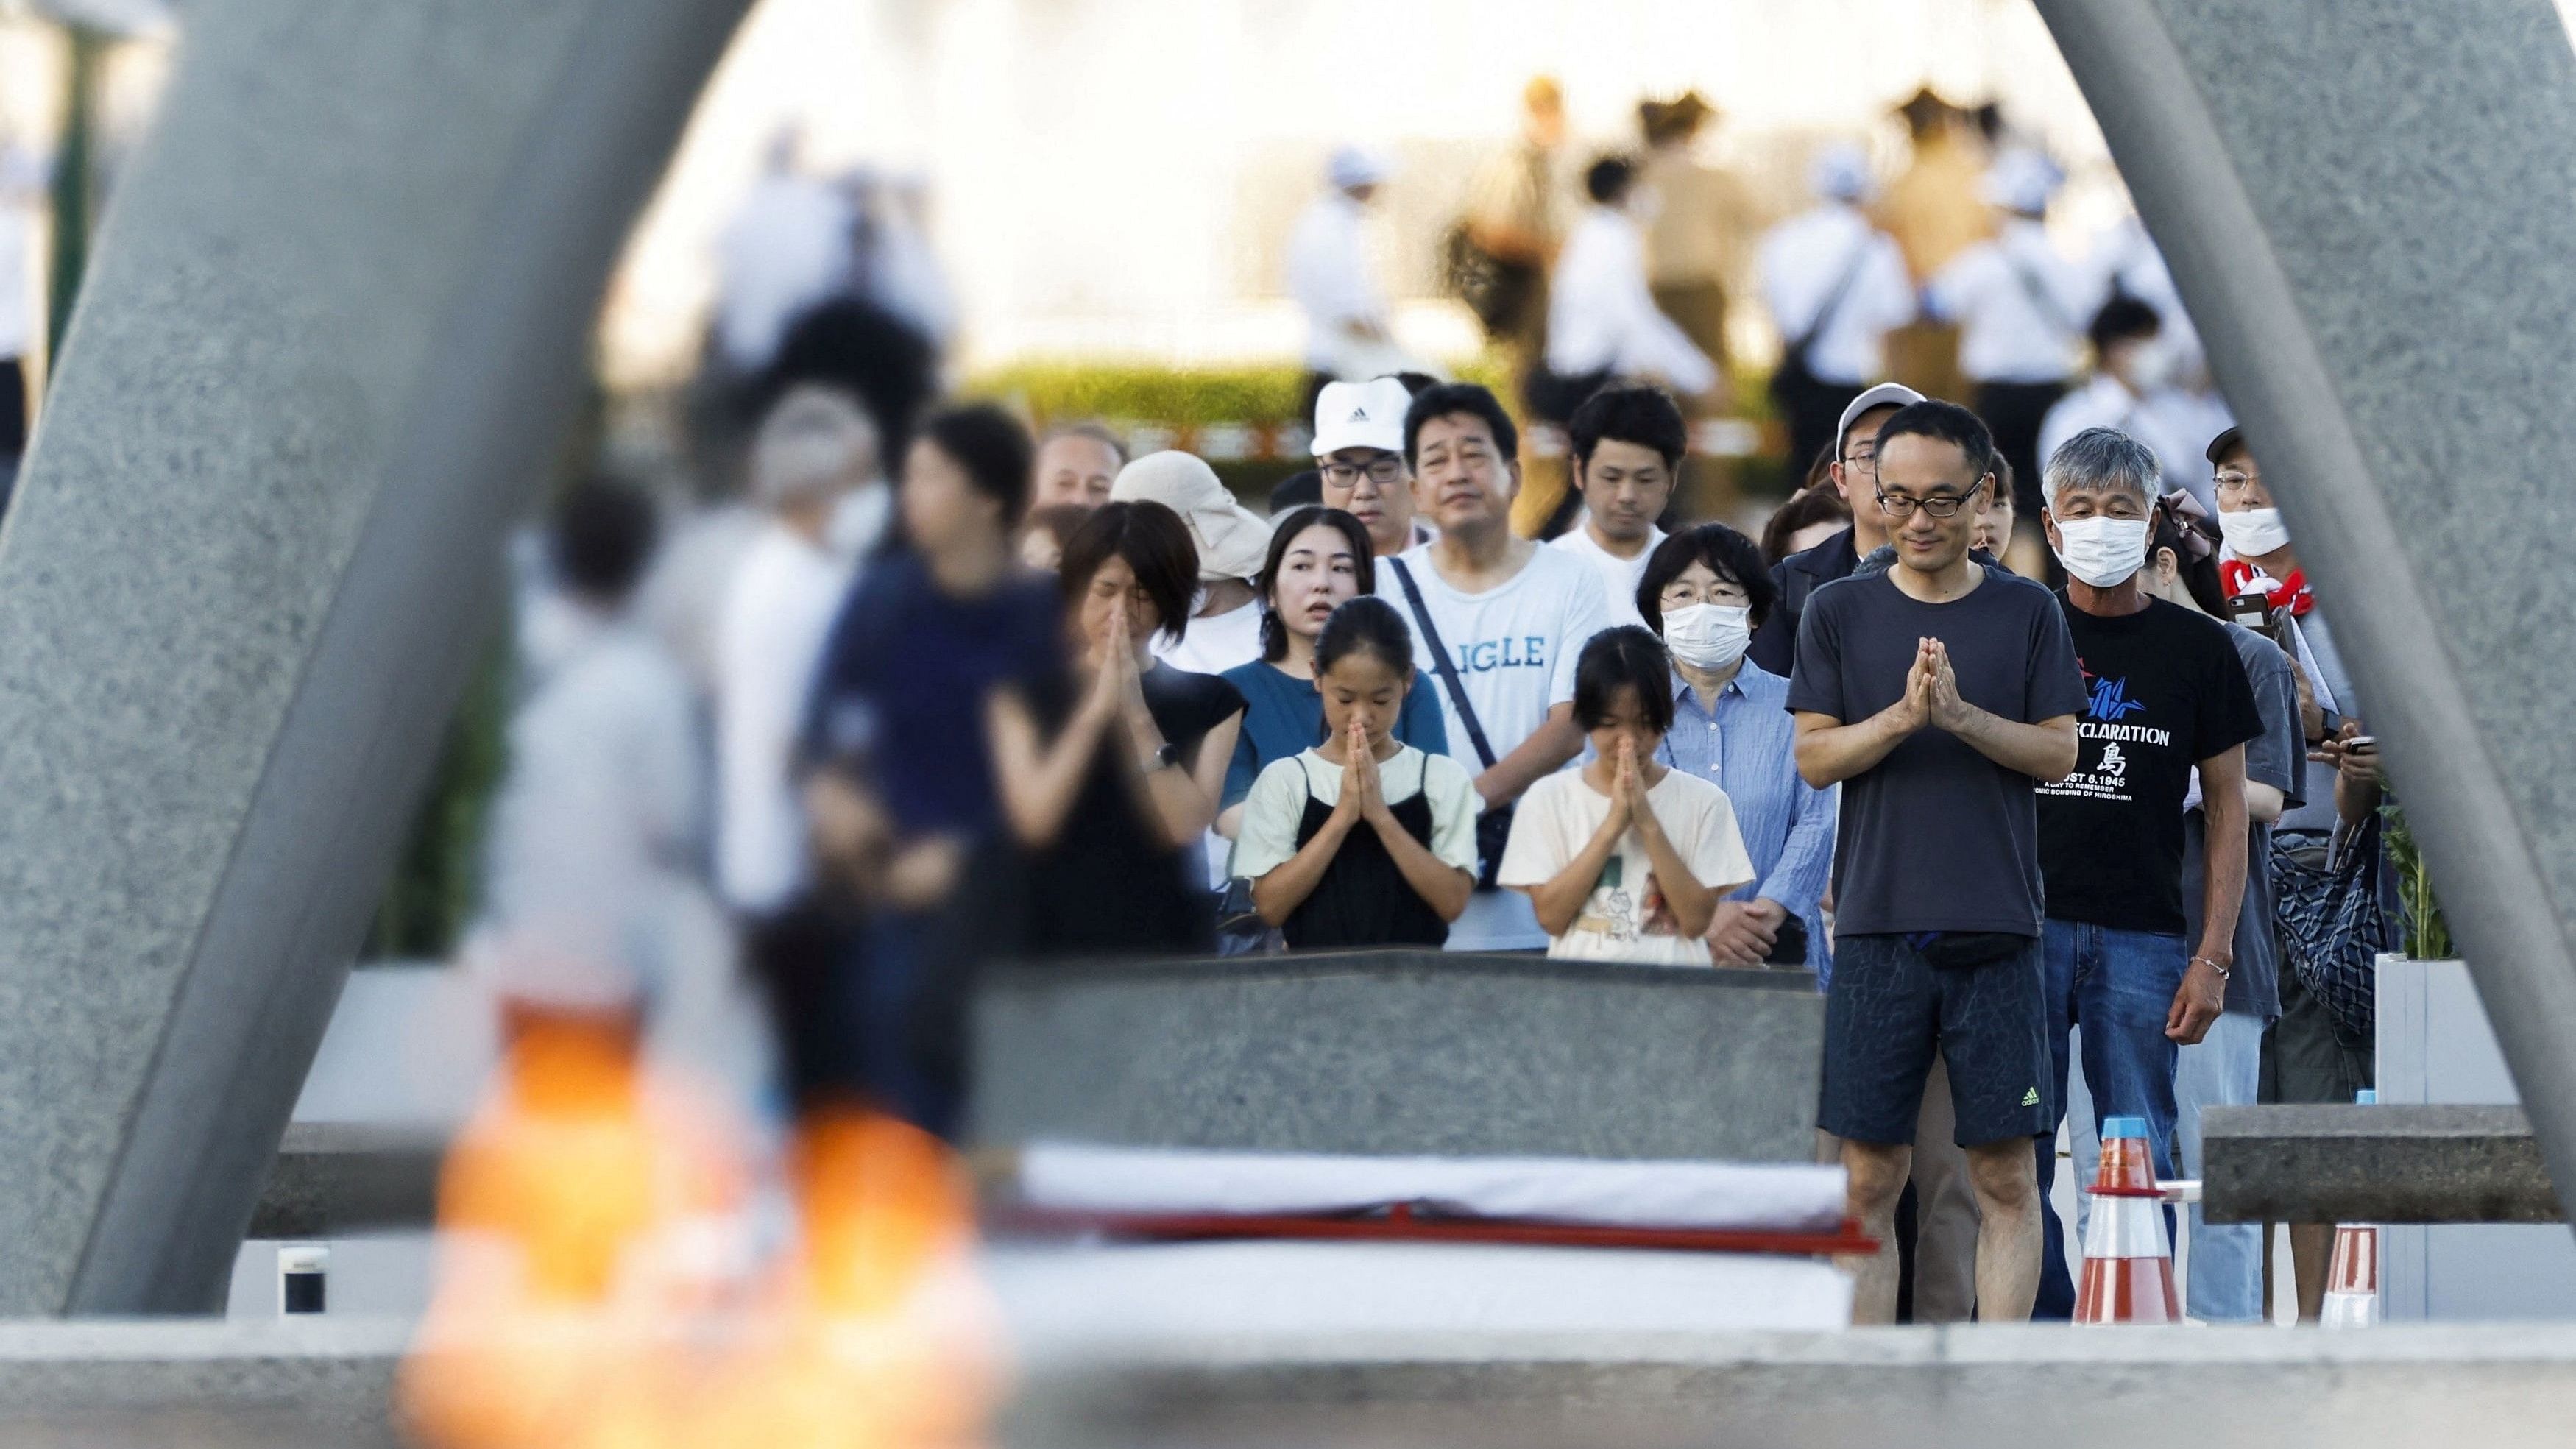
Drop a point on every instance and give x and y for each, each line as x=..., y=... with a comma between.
x=2119, y=986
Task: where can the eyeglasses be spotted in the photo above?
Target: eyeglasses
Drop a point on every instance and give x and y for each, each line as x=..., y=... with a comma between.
x=2234, y=482
x=1385, y=472
x=1864, y=463
x=1939, y=505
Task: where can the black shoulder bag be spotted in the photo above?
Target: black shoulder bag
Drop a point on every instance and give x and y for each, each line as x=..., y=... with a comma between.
x=1793, y=381
x=1494, y=827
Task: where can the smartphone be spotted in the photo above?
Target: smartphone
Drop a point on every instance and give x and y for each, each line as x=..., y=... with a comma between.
x=2253, y=610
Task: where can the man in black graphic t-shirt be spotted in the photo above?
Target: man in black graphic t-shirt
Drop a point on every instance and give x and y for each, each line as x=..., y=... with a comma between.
x=2164, y=693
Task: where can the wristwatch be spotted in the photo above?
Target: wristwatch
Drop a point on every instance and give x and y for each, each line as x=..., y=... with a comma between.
x=1163, y=759
x=2222, y=968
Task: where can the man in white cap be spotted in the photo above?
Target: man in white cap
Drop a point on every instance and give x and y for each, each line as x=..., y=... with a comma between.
x=1855, y=477
x=1359, y=454
x=1233, y=541
x=1836, y=286
x=2022, y=309
x=1347, y=327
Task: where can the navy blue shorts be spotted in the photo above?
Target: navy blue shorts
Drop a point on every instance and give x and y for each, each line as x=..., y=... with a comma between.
x=1888, y=1010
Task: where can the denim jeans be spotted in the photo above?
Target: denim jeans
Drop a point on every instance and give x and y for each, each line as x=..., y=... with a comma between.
x=2226, y=1258
x=2119, y=986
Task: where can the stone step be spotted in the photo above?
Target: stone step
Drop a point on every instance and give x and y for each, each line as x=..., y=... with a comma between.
x=2381, y=1163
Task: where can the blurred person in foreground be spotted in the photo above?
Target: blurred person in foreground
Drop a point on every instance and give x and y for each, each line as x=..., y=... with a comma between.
x=1359, y=460
x=813, y=461
x=1938, y=693
x=1855, y=479
x=901, y=785
x=2167, y=701
x=1076, y=463
x=1499, y=621
x=589, y=863
x=1836, y=286
x=2226, y=1067
x=1704, y=592
x=2021, y=309
x=1319, y=560
x=1811, y=516
x=1108, y=774
x=1228, y=540
x=1602, y=321
x=1628, y=443
x=1362, y=840
x=1349, y=327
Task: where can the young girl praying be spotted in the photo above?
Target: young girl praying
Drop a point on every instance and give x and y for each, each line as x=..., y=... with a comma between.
x=1361, y=841
x=1625, y=859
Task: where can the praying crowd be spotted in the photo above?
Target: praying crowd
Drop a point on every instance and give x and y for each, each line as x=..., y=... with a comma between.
x=2052, y=854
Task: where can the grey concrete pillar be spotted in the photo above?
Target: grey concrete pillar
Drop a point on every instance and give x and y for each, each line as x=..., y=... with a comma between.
x=331, y=330
x=2369, y=205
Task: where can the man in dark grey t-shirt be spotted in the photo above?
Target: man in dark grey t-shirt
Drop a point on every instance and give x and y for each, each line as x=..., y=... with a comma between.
x=1936, y=693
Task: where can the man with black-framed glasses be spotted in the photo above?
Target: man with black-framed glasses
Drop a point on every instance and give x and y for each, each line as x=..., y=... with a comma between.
x=1938, y=692
x=1359, y=457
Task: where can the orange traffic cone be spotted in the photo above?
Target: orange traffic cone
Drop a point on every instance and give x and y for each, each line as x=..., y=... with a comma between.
x=2128, y=1265
x=2352, y=1279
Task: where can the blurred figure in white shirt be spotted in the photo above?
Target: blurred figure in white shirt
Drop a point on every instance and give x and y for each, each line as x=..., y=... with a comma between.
x=787, y=248
x=1348, y=331
x=1601, y=316
x=2127, y=261
x=2022, y=309
x=2134, y=389
x=816, y=477
x=1836, y=286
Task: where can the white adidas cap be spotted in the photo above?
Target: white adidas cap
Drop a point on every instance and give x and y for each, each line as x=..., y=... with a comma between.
x=1361, y=415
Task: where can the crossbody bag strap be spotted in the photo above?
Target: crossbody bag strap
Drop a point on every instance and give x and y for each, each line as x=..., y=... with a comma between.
x=2041, y=299
x=1440, y=664
x=1833, y=300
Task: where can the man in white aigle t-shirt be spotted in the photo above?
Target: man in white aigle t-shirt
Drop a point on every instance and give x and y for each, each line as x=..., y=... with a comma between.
x=1628, y=444
x=1511, y=616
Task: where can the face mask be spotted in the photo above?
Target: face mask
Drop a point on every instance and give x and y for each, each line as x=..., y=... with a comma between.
x=2154, y=365
x=2102, y=551
x=2254, y=532
x=859, y=520
x=1708, y=636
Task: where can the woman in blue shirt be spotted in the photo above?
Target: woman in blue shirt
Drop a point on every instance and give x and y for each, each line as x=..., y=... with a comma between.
x=1705, y=590
x=1319, y=559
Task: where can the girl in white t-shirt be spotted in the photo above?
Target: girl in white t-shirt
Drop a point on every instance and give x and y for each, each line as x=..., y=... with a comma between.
x=1625, y=859
x=1361, y=841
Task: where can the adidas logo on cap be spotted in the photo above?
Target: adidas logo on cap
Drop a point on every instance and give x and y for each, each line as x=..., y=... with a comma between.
x=1358, y=415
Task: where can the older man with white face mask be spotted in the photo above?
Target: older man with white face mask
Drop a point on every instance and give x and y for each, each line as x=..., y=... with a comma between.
x=2164, y=692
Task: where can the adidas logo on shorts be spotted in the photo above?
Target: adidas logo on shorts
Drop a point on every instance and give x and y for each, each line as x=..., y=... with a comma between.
x=2030, y=1098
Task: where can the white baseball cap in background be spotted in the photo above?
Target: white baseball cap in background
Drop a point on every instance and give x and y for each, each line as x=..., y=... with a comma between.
x=1361, y=415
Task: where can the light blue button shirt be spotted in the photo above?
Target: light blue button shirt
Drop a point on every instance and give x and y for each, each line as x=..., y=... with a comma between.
x=1746, y=743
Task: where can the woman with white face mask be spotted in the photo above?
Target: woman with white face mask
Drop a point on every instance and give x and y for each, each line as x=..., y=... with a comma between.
x=1705, y=590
